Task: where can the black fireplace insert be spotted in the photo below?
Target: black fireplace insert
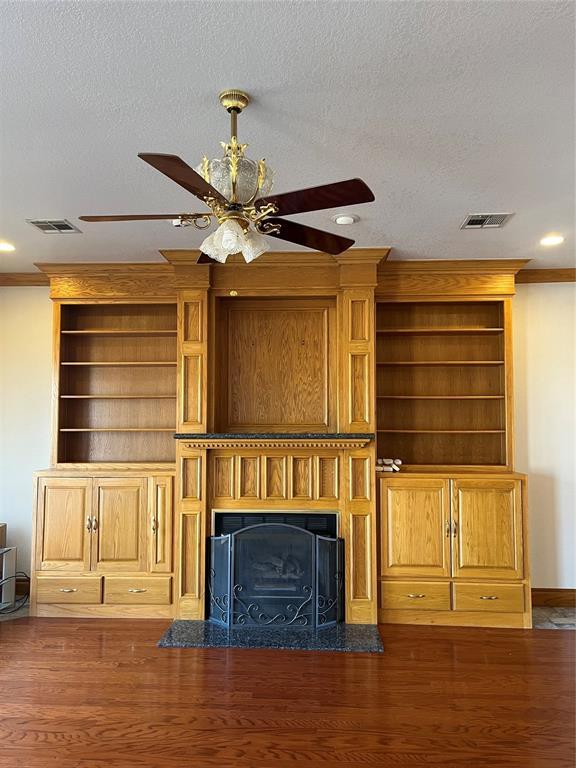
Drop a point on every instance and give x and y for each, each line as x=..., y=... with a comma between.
x=276, y=575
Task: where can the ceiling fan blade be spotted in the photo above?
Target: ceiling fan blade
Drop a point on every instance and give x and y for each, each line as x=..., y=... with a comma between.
x=177, y=170
x=308, y=236
x=351, y=192
x=135, y=217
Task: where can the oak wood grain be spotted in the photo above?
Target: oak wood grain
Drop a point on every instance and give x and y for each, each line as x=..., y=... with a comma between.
x=89, y=694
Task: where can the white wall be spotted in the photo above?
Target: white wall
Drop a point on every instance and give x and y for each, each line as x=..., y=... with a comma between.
x=25, y=380
x=544, y=358
x=544, y=318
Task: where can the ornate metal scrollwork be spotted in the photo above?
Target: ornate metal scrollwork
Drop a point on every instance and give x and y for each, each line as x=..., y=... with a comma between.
x=252, y=614
x=219, y=603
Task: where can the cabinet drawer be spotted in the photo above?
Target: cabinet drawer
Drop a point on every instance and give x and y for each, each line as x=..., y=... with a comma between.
x=489, y=597
x=415, y=595
x=136, y=590
x=68, y=589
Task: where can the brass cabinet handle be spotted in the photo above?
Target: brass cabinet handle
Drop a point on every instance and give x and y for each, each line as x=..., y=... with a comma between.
x=154, y=525
x=89, y=524
x=68, y=589
x=94, y=523
x=135, y=589
x=488, y=597
x=448, y=529
x=454, y=529
x=415, y=596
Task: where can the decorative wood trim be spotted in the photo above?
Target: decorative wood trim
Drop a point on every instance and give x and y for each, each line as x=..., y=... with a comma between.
x=554, y=598
x=567, y=275
x=340, y=443
x=23, y=279
x=119, y=280
x=431, y=279
x=190, y=257
x=475, y=266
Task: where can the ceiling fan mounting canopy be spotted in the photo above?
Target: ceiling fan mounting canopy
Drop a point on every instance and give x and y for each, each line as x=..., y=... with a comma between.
x=237, y=190
x=234, y=99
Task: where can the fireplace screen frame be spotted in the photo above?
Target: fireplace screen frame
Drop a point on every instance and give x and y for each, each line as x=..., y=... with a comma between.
x=230, y=607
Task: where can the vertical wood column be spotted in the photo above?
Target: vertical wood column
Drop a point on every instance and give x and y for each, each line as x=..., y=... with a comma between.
x=191, y=531
x=359, y=531
x=356, y=311
x=192, y=360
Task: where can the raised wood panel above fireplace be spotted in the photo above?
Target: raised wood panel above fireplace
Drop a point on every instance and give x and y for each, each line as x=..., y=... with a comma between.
x=276, y=365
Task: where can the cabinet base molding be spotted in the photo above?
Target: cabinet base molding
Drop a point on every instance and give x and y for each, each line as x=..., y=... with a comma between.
x=61, y=610
x=554, y=598
x=457, y=618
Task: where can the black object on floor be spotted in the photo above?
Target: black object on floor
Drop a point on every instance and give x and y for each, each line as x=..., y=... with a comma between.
x=351, y=638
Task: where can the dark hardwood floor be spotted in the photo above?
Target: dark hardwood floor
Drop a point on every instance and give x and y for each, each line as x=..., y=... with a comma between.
x=99, y=694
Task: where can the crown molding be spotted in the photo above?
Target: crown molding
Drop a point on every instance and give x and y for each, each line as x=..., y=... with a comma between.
x=23, y=279
x=567, y=275
x=283, y=258
x=492, y=266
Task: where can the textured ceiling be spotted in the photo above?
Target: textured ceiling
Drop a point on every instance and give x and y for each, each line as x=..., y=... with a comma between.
x=443, y=108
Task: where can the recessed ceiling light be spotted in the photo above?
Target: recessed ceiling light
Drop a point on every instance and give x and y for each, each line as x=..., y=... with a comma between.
x=552, y=240
x=6, y=247
x=345, y=218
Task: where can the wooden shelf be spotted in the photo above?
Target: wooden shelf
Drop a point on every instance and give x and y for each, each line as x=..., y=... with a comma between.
x=441, y=362
x=443, y=431
x=121, y=332
x=125, y=363
x=120, y=429
x=118, y=397
x=440, y=397
x=440, y=330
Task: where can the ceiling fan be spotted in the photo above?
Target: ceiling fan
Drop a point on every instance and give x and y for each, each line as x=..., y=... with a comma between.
x=237, y=191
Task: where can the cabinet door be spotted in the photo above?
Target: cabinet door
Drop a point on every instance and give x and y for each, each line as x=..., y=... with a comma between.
x=487, y=528
x=63, y=524
x=120, y=539
x=160, y=521
x=414, y=519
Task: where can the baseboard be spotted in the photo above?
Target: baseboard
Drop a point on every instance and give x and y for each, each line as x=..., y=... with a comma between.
x=558, y=598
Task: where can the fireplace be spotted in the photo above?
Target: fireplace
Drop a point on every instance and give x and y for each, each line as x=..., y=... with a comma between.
x=276, y=572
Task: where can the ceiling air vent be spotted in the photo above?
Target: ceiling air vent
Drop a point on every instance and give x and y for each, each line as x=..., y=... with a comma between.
x=485, y=220
x=53, y=226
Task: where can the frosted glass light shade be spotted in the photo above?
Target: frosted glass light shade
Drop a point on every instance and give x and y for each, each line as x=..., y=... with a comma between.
x=230, y=238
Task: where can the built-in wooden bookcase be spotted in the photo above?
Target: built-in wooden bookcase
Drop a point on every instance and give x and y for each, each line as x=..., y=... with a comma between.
x=116, y=383
x=442, y=382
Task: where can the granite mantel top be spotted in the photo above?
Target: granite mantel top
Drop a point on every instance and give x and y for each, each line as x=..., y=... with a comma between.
x=275, y=439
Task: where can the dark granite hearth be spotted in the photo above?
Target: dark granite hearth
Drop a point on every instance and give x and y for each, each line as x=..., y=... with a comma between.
x=350, y=638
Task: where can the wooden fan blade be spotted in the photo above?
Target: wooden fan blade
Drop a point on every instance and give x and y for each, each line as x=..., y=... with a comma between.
x=135, y=217
x=177, y=170
x=308, y=236
x=351, y=192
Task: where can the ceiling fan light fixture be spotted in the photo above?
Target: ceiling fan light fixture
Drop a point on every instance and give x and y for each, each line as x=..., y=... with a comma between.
x=231, y=237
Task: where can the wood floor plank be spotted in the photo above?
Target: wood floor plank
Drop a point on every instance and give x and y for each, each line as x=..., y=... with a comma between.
x=97, y=693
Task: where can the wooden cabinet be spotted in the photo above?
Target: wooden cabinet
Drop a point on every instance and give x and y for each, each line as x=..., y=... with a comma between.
x=454, y=546
x=487, y=529
x=415, y=535
x=120, y=530
x=63, y=524
x=117, y=527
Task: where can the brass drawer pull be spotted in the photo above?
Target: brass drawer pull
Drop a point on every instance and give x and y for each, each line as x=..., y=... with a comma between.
x=488, y=597
x=68, y=589
x=89, y=524
x=415, y=596
x=135, y=589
